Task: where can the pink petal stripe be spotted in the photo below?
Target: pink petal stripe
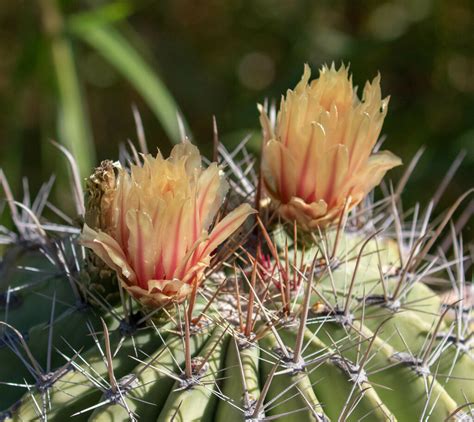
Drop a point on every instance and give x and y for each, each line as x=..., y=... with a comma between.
x=228, y=225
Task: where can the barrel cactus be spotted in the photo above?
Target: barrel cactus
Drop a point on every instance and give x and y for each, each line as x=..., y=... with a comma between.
x=234, y=292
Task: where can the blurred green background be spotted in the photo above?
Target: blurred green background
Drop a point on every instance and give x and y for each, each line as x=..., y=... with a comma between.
x=71, y=70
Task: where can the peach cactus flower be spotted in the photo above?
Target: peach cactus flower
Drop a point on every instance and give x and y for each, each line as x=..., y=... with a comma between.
x=155, y=230
x=319, y=154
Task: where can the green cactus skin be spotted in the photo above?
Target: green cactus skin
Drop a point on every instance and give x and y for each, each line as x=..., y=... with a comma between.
x=197, y=403
x=378, y=362
x=150, y=381
x=241, y=374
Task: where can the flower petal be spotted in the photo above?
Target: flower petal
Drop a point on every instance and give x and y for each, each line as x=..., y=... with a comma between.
x=141, y=248
x=304, y=213
x=279, y=170
x=308, y=172
x=211, y=190
x=332, y=172
x=186, y=151
x=227, y=226
x=373, y=172
x=107, y=249
x=191, y=259
x=175, y=233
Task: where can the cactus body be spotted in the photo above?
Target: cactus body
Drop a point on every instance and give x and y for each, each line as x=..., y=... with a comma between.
x=374, y=361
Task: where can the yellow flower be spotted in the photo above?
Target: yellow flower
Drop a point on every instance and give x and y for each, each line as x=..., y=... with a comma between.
x=155, y=228
x=319, y=154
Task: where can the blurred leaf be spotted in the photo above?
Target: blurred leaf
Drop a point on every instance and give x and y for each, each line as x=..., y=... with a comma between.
x=109, y=13
x=73, y=124
x=125, y=58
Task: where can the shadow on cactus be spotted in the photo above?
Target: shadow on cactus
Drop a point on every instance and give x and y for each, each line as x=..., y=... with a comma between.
x=227, y=291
